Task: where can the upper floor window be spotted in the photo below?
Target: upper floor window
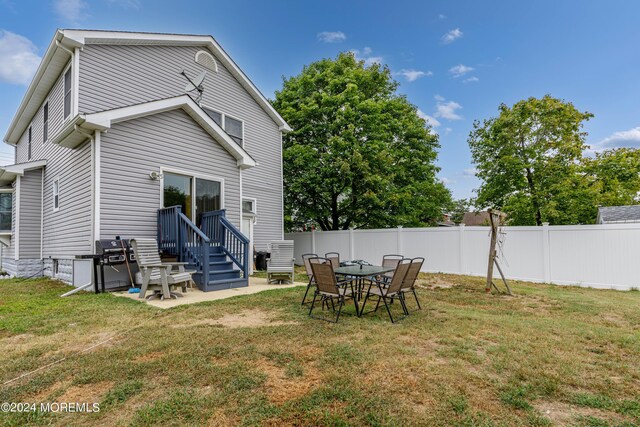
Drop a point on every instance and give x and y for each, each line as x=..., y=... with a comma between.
x=29, y=145
x=233, y=127
x=45, y=122
x=6, y=203
x=67, y=93
x=56, y=194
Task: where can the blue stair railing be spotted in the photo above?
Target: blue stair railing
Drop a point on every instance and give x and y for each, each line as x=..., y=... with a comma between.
x=179, y=237
x=224, y=234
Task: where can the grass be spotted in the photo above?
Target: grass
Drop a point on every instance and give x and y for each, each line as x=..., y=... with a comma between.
x=549, y=355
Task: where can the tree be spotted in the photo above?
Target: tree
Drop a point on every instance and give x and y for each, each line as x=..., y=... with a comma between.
x=529, y=161
x=616, y=176
x=358, y=155
x=459, y=208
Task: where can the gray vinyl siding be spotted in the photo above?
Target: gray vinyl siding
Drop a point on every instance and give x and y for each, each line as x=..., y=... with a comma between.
x=117, y=76
x=133, y=149
x=30, y=214
x=68, y=231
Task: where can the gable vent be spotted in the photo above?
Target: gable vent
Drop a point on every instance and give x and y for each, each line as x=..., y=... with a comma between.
x=205, y=59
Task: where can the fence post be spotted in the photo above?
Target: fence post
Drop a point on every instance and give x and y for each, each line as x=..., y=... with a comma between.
x=463, y=267
x=351, y=245
x=313, y=240
x=399, y=242
x=546, y=252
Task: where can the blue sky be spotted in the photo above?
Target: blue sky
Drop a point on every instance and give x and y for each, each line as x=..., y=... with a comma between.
x=456, y=60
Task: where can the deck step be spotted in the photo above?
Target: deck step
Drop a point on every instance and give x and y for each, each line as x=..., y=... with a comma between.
x=224, y=274
x=217, y=285
x=220, y=265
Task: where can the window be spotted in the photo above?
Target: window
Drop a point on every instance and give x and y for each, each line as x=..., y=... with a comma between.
x=233, y=127
x=6, y=203
x=249, y=206
x=67, y=93
x=29, y=145
x=45, y=122
x=217, y=117
x=206, y=60
x=56, y=195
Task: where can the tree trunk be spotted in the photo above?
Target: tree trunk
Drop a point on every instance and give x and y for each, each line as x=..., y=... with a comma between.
x=335, y=215
x=534, y=197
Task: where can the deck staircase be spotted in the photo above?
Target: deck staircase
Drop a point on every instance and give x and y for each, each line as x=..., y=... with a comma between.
x=217, y=251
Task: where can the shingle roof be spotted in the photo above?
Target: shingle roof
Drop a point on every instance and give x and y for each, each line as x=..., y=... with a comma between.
x=608, y=214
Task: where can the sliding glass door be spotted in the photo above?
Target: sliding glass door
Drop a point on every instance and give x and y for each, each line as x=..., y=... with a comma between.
x=179, y=190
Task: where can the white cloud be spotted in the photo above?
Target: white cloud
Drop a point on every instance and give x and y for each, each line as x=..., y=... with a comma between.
x=413, y=75
x=470, y=172
x=19, y=58
x=442, y=16
x=438, y=98
x=431, y=121
x=71, y=10
x=460, y=70
x=626, y=138
x=332, y=36
x=447, y=131
x=471, y=79
x=126, y=4
x=447, y=109
x=447, y=181
x=365, y=56
x=452, y=36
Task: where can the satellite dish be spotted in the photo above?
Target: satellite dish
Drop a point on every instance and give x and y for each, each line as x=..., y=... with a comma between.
x=195, y=84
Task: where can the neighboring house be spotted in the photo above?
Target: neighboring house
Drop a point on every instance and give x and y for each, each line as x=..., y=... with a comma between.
x=106, y=136
x=618, y=214
x=476, y=218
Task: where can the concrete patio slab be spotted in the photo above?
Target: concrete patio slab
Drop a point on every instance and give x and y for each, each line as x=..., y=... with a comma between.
x=195, y=295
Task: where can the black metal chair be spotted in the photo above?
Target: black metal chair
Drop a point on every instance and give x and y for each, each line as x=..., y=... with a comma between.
x=329, y=289
x=409, y=282
x=306, y=258
x=387, y=293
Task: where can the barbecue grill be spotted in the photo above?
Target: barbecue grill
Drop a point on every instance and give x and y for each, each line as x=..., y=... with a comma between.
x=110, y=252
x=114, y=251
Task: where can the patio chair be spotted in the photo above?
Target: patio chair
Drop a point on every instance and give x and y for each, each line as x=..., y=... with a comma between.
x=409, y=283
x=329, y=289
x=281, y=261
x=158, y=276
x=388, y=293
x=390, y=261
x=307, y=259
x=334, y=259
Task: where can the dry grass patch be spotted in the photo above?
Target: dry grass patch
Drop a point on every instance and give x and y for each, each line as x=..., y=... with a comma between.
x=254, y=318
x=281, y=386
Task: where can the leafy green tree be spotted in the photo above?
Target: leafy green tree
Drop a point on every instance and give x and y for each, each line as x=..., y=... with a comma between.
x=459, y=208
x=359, y=155
x=616, y=176
x=529, y=161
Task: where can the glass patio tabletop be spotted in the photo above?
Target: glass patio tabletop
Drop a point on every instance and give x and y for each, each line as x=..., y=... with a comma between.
x=363, y=271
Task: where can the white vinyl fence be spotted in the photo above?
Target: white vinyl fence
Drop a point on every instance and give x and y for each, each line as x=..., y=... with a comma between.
x=599, y=256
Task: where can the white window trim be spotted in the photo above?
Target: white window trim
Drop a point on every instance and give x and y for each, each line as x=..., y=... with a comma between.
x=194, y=175
x=29, y=142
x=204, y=52
x=53, y=194
x=16, y=255
x=255, y=205
x=8, y=191
x=224, y=124
x=67, y=68
x=46, y=102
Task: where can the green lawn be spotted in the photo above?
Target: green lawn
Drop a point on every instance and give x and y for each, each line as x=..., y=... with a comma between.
x=549, y=355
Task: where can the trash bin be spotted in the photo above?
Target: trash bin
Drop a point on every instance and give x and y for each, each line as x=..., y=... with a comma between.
x=261, y=260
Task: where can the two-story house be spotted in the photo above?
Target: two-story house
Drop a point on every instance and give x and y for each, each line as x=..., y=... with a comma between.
x=108, y=134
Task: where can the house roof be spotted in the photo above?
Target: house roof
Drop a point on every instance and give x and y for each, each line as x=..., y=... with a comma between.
x=9, y=173
x=64, y=41
x=476, y=218
x=617, y=214
x=82, y=126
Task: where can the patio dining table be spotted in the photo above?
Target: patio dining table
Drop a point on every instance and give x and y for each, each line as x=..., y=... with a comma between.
x=361, y=272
